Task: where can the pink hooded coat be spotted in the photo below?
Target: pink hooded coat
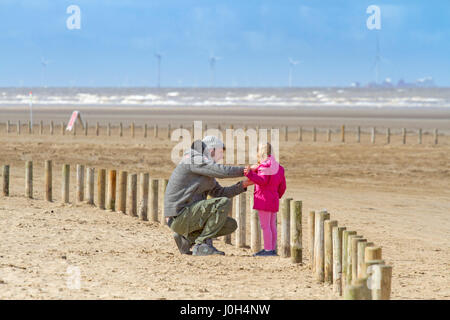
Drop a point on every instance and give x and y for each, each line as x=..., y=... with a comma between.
x=270, y=185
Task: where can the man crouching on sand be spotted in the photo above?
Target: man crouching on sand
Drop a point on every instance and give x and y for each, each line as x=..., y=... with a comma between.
x=194, y=218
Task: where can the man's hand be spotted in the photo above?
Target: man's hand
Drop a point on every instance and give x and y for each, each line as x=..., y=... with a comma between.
x=246, y=170
x=247, y=182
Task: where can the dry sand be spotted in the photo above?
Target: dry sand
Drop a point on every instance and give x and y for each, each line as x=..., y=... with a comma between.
x=397, y=196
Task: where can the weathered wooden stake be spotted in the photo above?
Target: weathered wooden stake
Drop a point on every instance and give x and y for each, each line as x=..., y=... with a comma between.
x=373, y=135
x=41, y=127
x=361, y=247
x=381, y=282
x=240, y=217
x=337, y=259
x=80, y=183
x=285, y=227
x=5, y=189
x=63, y=129
x=108, y=129
x=328, y=135
x=29, y=179
x=97, y=129
x=299, y=134
x=319, y=249
x=311, y=229
x=86, y=128
x=343, y=133
x=255, y=228
x=120, y=130
x=145, y=130
x=51, y=127
x=90, y=177
x=420, y=136
x=154, y=200
x=18, y=128
x=296, y=232
x=132, y=129
x=111, y=202
x=143, y=203
x=358, y=134
x=65, y=183
x=355, y=262
x=285, y=133
x=345, y=236
x=328, y=249
x=132, y=195
x=314, y=135
x=48, y=180
x=7, y=127
x=435, y=136
x=155, y=130
x=388, y=136
x=350, y=259
x=122, y=192
x=404, y=135
x=101, y=188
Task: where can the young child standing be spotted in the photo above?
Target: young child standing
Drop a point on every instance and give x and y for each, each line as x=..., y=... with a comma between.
x=270, y=185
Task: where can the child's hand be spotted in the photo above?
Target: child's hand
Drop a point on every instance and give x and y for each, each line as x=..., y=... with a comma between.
x=246, y=170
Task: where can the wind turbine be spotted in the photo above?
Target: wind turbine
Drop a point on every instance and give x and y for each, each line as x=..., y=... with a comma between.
x=44, y=64
x=378, y=60
x=292, y=64
x=158, y=57
x=212, y=65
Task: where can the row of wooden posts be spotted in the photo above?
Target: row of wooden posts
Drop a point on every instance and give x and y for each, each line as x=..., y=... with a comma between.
x=346, y=260
x=338, y=256
x=132, y=127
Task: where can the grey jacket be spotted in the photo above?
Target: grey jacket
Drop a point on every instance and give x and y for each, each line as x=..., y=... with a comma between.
x=193, y=180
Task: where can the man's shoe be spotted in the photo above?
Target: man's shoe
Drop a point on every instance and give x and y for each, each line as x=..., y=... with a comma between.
x=183, y=244
x=205, y=249
x=209, y=242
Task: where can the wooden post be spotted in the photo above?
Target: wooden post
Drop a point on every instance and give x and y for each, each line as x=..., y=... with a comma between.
x=348, y=276
x=355, y=262
x=240, y=217
x=345, y=236
x=255, y=229
x=404, y=135
x=7, y=127
x=328, y=249
x=120, y=130
x=111, y=202
x=122, y=195
x=296, y=232
x=311, y=229
x=372, y=253
x=30, y=130
x=168, y=131
x=285, y=227
x=299, y=134
x=18, y=128
x=65, y=183
x=108, y=130
x=381, y=282
x=388, y=136
x=373, y=135
x=358, y=134
x=343, y=133
x=337, y=259
x=90, y=185
x=97, y=129
x=155, y=130
x=328, y=135
x=163, y=186
x=154, y=200
x=101, y=188
x=41, y=128
x=63, y=131
x=420, y=136
x=132, y=129
x=80, y=183
x=132, y=195
x=143, y=203
x=48, y=180
x=353, y=292
x=74, y=129
x=435, y=136
x=319, y=250
x=5, y=189
x=145, y=130
x=29, y=179
x=314, y=136
x=51, y=127
x=86, y=127
x=361, y=247
x=285, y=133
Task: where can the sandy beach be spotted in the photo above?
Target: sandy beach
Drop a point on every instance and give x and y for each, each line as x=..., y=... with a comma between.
x=396, y=195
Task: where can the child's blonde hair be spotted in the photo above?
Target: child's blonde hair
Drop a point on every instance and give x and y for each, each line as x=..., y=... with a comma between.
x=265, y=150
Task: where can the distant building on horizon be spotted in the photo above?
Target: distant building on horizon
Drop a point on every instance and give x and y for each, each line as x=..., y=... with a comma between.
x=426, y=82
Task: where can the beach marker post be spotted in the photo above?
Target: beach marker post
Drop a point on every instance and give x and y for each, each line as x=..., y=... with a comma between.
x=132, y=195
x=5, y=174
x=343, y=133
x=358, y=134
x=154, y=200
x=311, y=229
x=122, y=195
x=51, y=127
x=112, y=179
x=240, y=217
x=29, y=179
x=355, y=261
x=255, y=229
x=101, y=188
x=328, y=249
x=381, y=282
x=337, y=259
x=388, y=135
x=65, y=183
x=80, y=183
x=319, y=249
x=345, y=242
x=404, y=135
x=420, y=136
x=296, y=232
x=143, y=203
x=285, y=227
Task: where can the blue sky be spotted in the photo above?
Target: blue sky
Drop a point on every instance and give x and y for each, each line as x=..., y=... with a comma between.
x=118, y=38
